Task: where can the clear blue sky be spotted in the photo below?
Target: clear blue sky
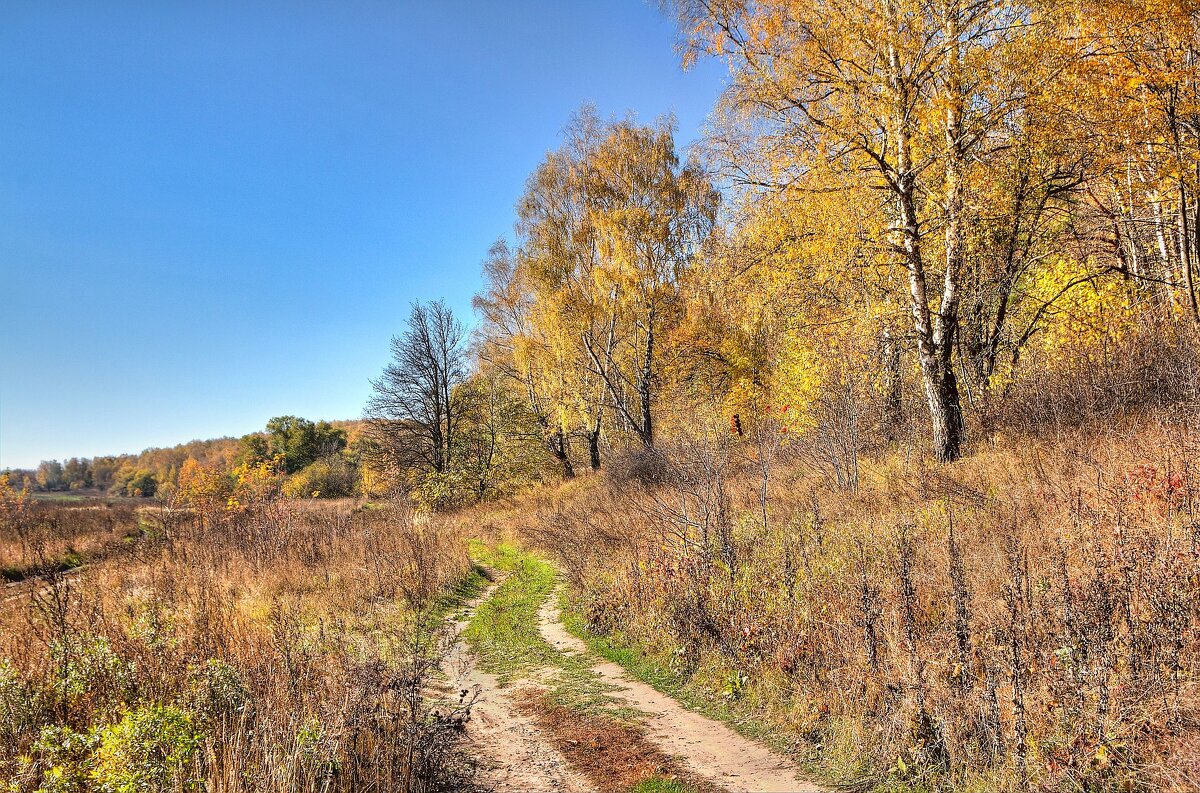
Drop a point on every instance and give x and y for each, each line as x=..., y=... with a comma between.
x=214, y=213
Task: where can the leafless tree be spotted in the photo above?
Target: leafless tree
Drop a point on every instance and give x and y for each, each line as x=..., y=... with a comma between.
x=414, y=413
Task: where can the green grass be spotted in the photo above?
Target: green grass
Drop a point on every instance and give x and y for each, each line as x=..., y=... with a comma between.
x=503, y=630
x=661, y=785
x=14, y=573
x=504, y=557
x=64, y=498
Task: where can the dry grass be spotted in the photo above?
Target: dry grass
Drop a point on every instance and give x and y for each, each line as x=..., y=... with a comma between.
x=287, y=647
x=65, y=535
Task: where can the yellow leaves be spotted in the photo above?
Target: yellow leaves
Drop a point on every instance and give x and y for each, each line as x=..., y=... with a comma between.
x=202, y=487
x=797, y=380
x=255, y=484
x=14, y=504
x=1079, y=312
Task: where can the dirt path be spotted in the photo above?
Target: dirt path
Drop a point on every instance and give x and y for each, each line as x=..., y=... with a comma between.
x=703, y=746
x=515, y=756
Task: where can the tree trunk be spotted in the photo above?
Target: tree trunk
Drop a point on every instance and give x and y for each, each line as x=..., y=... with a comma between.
x=593, y=438
x=594, y=450
x=558, y=447
x=950, y=448
x=934, y=345
x=646, y=430
x=946, y=410
x=1196, y=222
x=933, y=348
x=1185, y=251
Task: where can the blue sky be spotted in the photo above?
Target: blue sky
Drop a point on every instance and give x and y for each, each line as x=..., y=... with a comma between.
x=214, y=213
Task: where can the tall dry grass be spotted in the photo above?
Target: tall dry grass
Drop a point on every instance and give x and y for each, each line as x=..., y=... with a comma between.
x=57, y=536
x=285, y=647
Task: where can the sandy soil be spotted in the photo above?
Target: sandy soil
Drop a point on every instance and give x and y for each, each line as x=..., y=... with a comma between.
x=703, y=746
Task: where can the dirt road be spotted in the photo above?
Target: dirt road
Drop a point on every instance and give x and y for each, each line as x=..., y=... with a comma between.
x=519, y=756
x=706, y=747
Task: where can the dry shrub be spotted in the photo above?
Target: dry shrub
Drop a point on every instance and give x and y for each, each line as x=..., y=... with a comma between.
x=1156, y=367
x=638, y=467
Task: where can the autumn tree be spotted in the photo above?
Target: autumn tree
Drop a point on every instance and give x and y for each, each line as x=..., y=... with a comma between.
x=511, y=344
x=77, y=473
x=50, y=475
x=204, y=488
x=569, y=314
x=900, y=97
x=497, y=445
x=651, y=215
x=608, y=225
x=1132, y=99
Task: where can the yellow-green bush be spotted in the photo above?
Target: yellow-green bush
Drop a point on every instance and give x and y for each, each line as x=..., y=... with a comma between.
x=147, y=751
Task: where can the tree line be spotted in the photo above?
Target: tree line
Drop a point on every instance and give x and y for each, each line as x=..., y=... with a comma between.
x=308, y=457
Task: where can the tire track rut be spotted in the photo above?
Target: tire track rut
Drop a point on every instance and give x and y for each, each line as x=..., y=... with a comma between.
x=704, y=746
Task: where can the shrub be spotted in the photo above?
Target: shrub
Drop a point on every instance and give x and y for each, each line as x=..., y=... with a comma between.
x=329, y=477
x=644, y=467
x=317, y=751
x=63, y=758
x=148, y=750
x=91, y=674
x=440, y=491
x=135, y=482
x=216, y=691
x=20, y=706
